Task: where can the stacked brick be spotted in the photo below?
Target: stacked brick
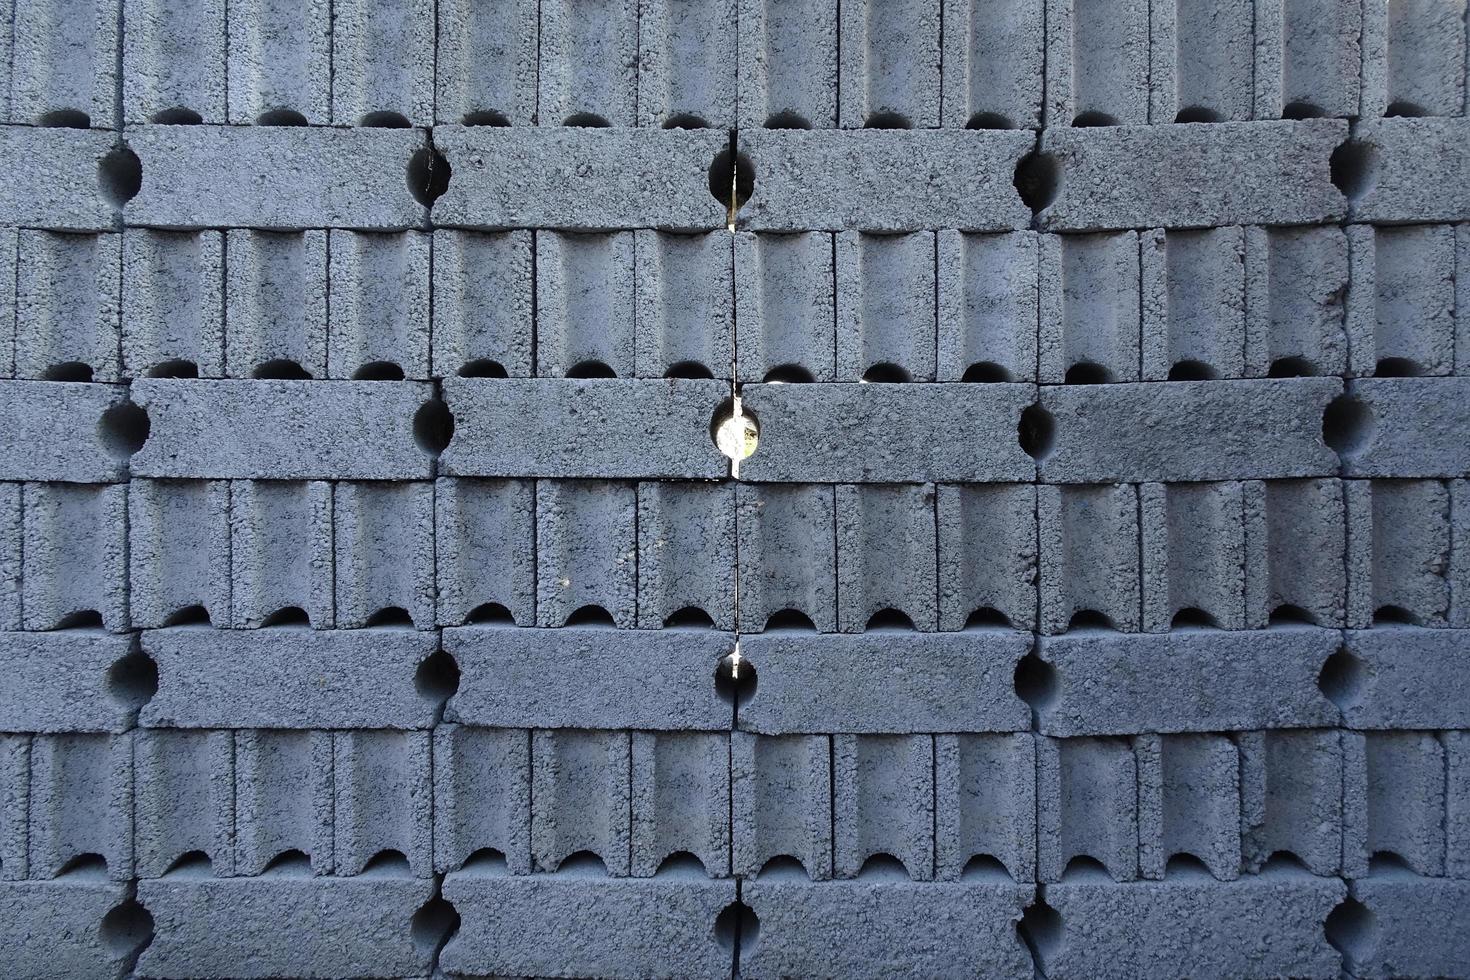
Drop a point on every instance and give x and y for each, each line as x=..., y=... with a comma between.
x=376, y=602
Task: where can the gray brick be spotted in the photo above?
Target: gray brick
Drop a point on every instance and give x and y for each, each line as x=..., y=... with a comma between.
x=379, y=287
x=1201, y=60
x=281, y=430
x=286, y=922
x=53, y=929
x=1398, y=551
x=869, y=684
x=886, y=307
x=173, y=61
x=173, y=307
x=80, y=797
x=15, y=792
x=1296, y=285
x=785, y=301
x=382, y=61
x=384, y=561
x=883, y=803
x=794, y=73
x=686, y=63
x=1418, y=170
x=1308, y=57
x=586, y=551
x=1414, y=60
x=9, y=260
x=1457, y=803
x=482, y=796
x=54, y=178
x=1097, y=62
x=483, y=300
x=283, y=798
x=578, y=179
x=276, y=302
x=993, y=65
x=319, y=678
x=1401, y=305
x=686, y=554
x=886, y=556
x=579, y=923
x=1189, y=680
x=889, y=62
x=985, y=804
x=1419, y=927
x=45, y=435
x=64, y=59
x=483, y=555
x=1189, y=430
x=486, y=61
x=781, y=802
x=581, y=784
x=66, y=307
x=988, y=306
x=1086, y=807
x=383, y=788
x=584, y=304
x=596, y=428
x=1090, y=293
x=1291, y=785
x=12, y=555
x=787, y=551
x=681, y=801
x=588, y=62
x=1194, y=553
x=75, y=556
x=684, y=309
x=214, y=176
x=1403, y=810
x=279, y=61
x=1185, y=177
x=987, y=555
x=660, y=680
x=884, y=181
x=62, y=682
x=178, y=551
x=1088, y=538
x=281, y=552
x=1411, y=428
x=1189, y=804
x=1296, y=563
x=184, y=807
x=1194, y=303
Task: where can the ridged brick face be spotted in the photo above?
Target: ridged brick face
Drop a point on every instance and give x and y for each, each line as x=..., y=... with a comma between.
x=734, y=488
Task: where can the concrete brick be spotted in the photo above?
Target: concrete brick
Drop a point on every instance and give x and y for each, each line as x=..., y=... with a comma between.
x=1462, y=298
x=383, y=788
x=276, y=303
x=1097, y=65
x=790, y=76
x=1091, y=283
x=787, y=551
x=686, y=554
x=184, y=808
x=1086, y=807
x=279, y=61
x=1189, y=804
x=178, y=552
x=584, y=305
x=1187, y=680
x=889, y=56
x=15, y=793
x=483, y=301
x=1398, y=552
x=281, y=430
x=785, y=303
x=985, y=805
x=66, y=307
x=884, y=181
x=1413, y=60
x=869, y=683
x=880, y=926
x=65, y=681
x=283, y=799
x=579, y=179
x=383, y=62
x=1296, y=565
x=781, y=802
x=9, y=259
x=883, y=803
x=74, y=572
x=482, y=796
x=1417, y=927
x=1261, y=925
x=45, y=435
x=1291, y=785
x=55, y=178
x=1296, y=289
x=589, y=59
x=1459, y=571
x=1410, y=428
x=1088, y=539
x=581, y=784
x=285, y=922
x=661, y=680
x=969, y=435
x=53, y=930
x=1407, y=678
x=379, y=286
x=1201, y=60
x=886, y=307
x=992, y=65
x=686, y=63
x=232, y=176
x=63, y=60
x=485, y=62
x=281, y=553
x=1417, y=170
x=987, y=555
x=384, y=542
x=1308, y=56
x=684, y=309
x=81, y=791
x=1401, y=305
x=1403, y=815
x=12, y=555
x=483, y=555
x=597, y=428
x=1189, y=430
x=173, y=62
x=319, y=678
x=1457, y=803
x=586, y=552
x=681, y=801
x=1194, y=303
x=1194, y=554
x=173, y=306
x=988, y=306
x=1193, y=176
x=886, y=557
x=578, y=923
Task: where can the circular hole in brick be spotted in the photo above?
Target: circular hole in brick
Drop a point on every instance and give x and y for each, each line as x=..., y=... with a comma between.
x=788, y=374
x=81, y=619
x=486, y=860
x=989, y=120
x=290, y=862
x=437, y=677
x=1394, y=616
x=483, y=368
x=1401, y=107
x=1289, y=615
x=126, y=929
x=288, y=617
x=884, y=867
x=888, y=374
x=1293, y=366
x=178, y=116
x=789, y=620
x=985, y=372
x=120, y=173
x=1036, y=682
x=1300, y=109
x=490, y=614
x=66, y=119
x=1036, y=431
x=591, y=616
x=1352, y=167
x=1350, y=928
x=986, y=867
x=591, y=369
x=731, y=178
x=428, y=175
x=1037, y=179
x=1341, y=679
x=433, y=925
x=433, y=426
x=1093, y=118
x=1196, y=114
x=92, y=866
x=133, y=680
x=68, y=371
x=735, y=432
x=195, y=615
x=685, y=120
x=689, y=618
x=1089, y=620
x=890, y=621
x=123, y=429
x=689, y=369
x=1396, y=367
x=378, y=371
x=385, y=119
x=586, y=120
x=390, y=617
x=1191, y=618
x=1040, y=931
x=1186, y=865
x=737, y=928
x=987, y=618
x=280, y=117
x=280, y=369
x=485, y=117
x=681, y=864
x=1347, y=425
x=887, y=119
x=787, y=119
x=177, y=368
x=1087, y=373
x=735, y=679
x=1189, y=370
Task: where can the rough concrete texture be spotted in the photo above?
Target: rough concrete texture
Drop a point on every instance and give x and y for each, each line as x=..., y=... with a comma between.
x=377, y=597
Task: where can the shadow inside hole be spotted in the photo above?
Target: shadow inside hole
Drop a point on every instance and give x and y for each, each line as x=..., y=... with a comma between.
x=1397, y=367
x=734, y=431
x=681, y=864
x=1087, y=373
x=985, y=372
x=280, y=117
x=586, y=120
x=1341, y=679
x=485, y=117
x=1293, y=366
x=433, y=925
x=195, y=615
x=390, y=617
x=1038, y=179
x=1185, y=865
x=787, y=119
x=287, y=616
x=1036, y=683
x=123, y=429
x=280, y=369
x=387, y=863
x=1352, y=167
x=591, y=616
x=385, y=119
x=1192, y=618
x=685, y=120
x=428, y=175
x=126, y=929
x=69, y=371
x=888, y=120
x=1093, y=118
x=120, y=174
x=433, y=426
x=1084, y=620
x=437, y=677
x=1036, y=431
x=1189, y=370
x=174, y=369
x=789, y=620
x=986, y=867
x=490, y=614
x=890, y=621
x=989, y=120
x=737, y=928
x=1197, y=114
x=378, y=371
x=1288, y=615
x=1400, y=107
x=884, y=867
x=1347, y=425
x=1394, y=616
x=197, y=864
x=483, y=368
x=690, y=617
x=731, y=171
x=1350, y=928
x=1301, y=110
x=886, y=373
x=486, y=861
x=82, y=619
x=1040, y=931
x=591, y=369
x=65, y=119
x=583, y=864
x=688, y=369
x=788, y=374
x=289, y=863
x=987, y=618
x=178, y=116
x=735, y=679
x=87, y=865
x=133, y=680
